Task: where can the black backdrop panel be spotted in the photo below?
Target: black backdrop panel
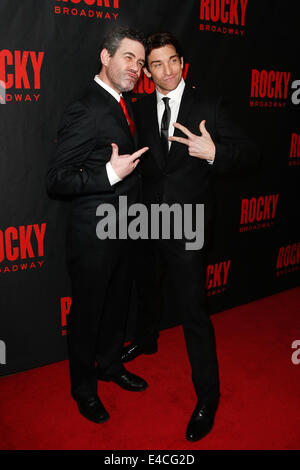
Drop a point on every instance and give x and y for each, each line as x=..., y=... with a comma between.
x=246, y=50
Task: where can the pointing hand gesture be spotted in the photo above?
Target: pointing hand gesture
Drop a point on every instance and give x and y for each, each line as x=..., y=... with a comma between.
x=198, y=146
x=123, y=165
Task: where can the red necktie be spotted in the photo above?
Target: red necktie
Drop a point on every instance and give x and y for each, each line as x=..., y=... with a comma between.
x=129, y=120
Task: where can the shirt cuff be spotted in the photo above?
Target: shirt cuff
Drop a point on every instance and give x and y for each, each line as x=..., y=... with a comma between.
x=210, y=162
x=112, y=175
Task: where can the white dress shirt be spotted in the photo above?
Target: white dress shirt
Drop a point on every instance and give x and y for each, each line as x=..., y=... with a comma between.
x=174, y=103
x=111, y=174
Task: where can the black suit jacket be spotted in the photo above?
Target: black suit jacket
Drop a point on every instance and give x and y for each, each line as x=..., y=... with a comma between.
x=78, y=169
x=180, y=178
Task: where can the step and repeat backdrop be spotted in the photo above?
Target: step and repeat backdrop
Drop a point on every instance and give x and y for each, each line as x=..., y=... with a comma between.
x=247, y=50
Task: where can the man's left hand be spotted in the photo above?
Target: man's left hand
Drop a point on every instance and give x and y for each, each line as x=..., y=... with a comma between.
x=198, y=146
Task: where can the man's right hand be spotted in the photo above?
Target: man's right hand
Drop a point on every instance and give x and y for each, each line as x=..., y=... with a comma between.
x=123, y=165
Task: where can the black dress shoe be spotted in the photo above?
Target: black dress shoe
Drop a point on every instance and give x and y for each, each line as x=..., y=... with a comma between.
x=126, y=380
x=201, y=421
x=92, y=409
x=134, y=350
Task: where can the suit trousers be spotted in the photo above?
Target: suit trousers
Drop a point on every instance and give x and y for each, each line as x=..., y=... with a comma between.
x=101, y=288
x=185, y=271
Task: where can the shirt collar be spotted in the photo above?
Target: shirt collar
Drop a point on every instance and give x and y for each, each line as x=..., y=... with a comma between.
x=175, y=94
x=106, y=87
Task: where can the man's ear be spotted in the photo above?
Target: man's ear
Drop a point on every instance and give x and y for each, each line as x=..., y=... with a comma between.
x=146, y=72
x=104, y=57
x=181, y=62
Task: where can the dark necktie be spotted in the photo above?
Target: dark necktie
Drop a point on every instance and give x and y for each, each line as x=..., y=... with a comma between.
x=164, y=128
x=129, y=120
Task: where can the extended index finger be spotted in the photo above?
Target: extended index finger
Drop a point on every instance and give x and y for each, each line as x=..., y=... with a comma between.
x=138, y=153
x=183, y=129
x=181, y=140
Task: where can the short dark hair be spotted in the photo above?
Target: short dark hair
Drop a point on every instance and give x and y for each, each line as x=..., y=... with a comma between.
x=112, y=40
x=161, y=39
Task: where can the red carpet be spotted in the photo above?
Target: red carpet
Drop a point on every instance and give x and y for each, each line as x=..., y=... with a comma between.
x=260, y=387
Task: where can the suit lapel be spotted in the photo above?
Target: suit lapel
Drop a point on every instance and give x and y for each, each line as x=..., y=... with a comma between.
x=176, y=149
x=130, y=112
x=186, y=106
x=153, y=131
x=115, y=108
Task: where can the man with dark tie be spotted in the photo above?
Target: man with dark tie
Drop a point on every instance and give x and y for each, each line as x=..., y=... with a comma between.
x=95, y=163
x=179, y=169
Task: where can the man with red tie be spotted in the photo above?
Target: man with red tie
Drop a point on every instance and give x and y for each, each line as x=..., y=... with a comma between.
x=95, y=163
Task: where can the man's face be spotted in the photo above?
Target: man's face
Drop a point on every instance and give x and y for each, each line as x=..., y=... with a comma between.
x=165, y=67
x=124, y=67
